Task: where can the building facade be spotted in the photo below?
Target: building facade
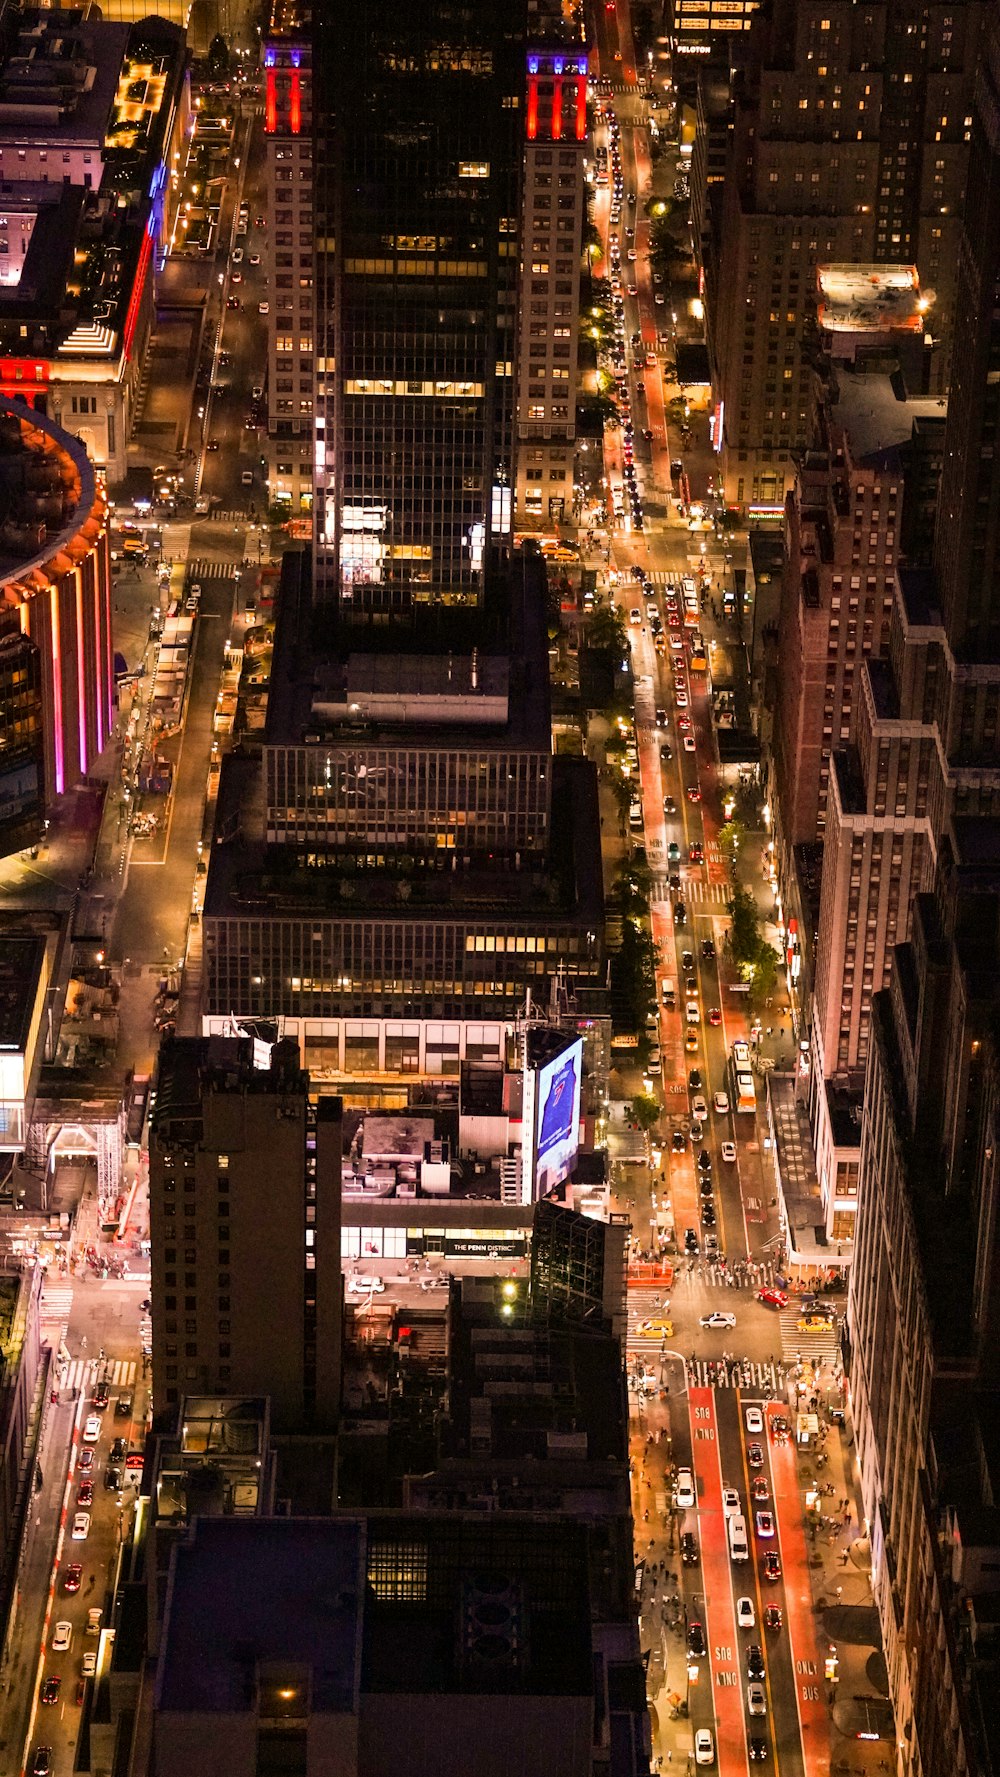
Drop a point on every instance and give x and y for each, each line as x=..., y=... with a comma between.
x=291, y=322
x=416, y=298
x=554, y=213
x=244, y=1189
x=850, y=144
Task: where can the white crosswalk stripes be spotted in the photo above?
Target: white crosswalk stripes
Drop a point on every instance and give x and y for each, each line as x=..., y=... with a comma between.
x=754, y=1377
x=57, y=1301
x=83, y=1373
x=212, y=570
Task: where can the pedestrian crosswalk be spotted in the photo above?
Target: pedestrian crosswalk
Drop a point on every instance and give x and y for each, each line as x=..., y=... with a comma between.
x=662, y=577
x=200, y=569
x=57, y=1301
x=696, y=895
x=819, y=1345
x=236, y=515
x=755, y=1378
x=83, y=1373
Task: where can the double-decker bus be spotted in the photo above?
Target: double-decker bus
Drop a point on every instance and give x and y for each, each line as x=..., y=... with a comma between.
x=744, y=1095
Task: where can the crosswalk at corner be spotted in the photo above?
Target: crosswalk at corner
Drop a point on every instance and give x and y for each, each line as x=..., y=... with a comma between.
x=84, y=1372
x=199, y=569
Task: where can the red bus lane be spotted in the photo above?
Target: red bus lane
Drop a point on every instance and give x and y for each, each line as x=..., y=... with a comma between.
x=805, y=1653
x=714, y=1607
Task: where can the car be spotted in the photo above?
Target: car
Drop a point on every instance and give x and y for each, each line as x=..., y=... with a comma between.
x=746, y=1616
x=685, y=1492
x=678, y=1141
x=102, y=1395
x=673, y=852
x=236, y=277
x=773, y=1298
x=237, y=258
x=684, y=724
x=753, y=1419
x=688, y=741
x=85, y=1493
x=687, y=964
x=755, y=1456
x=711, y=1246
x=676, y=642
x=696, y=1640
x=62, y=1635
x=232, y=302
x=112, y=1480
x=635, y=616
x=91, y=1429
x=254, y=259
x=51, y=1688
x=772, y=1617
x=360, y=1285
x=693, y=793
x=85, y=1460
x=691, y=1012
x=661, y=718
x=696, y=1132
x=772, y=1565
x=88, y=1665
x=815, y=1323
x=705, y=1185
x=765, y=1524
x=81, y=1527
x=759, y=1488
x=655, y=1329
x=263, y=308
x=714, y=1015
x=119, y=1450
x=691, y=1043
x=680, y=699
x=729, y=1152
x=717, y=1321
x=755, y=1661
x=72, y=1576
x=680, y=913
x=756, y=1749
x=694, y=1079
x=689, y=1549
x=94, y=1615
x=781, y=1431
x=721, y=1103
x=731, y=1506
x=704, y=1747
x=756, y=1698
x=123, y=1405
x=708, y=1215
x=699, y=1109
x=41, y=1764
x=696, y=856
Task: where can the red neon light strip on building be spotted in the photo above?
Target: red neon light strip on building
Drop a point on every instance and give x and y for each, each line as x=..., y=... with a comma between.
x=270, y=105
x=295, y=105
x=81, y=677
x=104, y=662
x=131, y=319
x=581, y=109
x=532, y=110
x=557, y=111
x=57, y=709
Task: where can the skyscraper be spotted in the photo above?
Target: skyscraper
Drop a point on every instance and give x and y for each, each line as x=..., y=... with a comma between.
x=850, y=144
x=417, y=190
x=925, y=746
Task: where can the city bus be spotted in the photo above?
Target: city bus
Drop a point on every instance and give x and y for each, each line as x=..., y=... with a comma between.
x=744, y=1095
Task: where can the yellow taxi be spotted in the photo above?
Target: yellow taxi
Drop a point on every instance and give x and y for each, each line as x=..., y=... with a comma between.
x=655, y=1329
x=815, y=1323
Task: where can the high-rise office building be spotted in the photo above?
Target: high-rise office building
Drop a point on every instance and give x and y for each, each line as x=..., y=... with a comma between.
x=849, y=144
x=418, y=179
x=554, y=212
x=924, y=749
x=244, y=1194
x=922, y=1313
x=289, y=246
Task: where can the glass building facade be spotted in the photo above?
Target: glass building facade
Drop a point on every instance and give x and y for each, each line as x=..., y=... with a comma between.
x=418, y=175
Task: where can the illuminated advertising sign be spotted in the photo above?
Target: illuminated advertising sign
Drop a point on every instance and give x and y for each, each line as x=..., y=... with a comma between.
x=557, y=1117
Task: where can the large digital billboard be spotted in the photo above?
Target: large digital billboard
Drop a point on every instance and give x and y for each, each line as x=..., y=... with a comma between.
x=557, y=1116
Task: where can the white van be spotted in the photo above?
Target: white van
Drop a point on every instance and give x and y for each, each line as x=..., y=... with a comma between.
x=654, y=1063
x=737, y=1529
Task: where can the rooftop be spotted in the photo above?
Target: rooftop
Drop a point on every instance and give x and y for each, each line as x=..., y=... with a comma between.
x=21, y=962
x=869, y=298
x=877, y=416
x=48, y=492
x=58, y=77
x=247, y=1596
x=190, y=1068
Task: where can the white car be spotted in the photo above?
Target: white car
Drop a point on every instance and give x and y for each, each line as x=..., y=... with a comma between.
x=89, y=1665
x=81, y=1527
x=691, y=1012
x=62, y=1635
x=704, y=1747
x=263, y=308
x=721, y=1103
x=681, y=698
x=238, y=256
x=94, y=1616
x=91, y=1429
x=718, y=1321
x=754, y=1420
x=635, y=615
x=731, y=1503
x=684, y=1490
x=359, y=1285
x=699, y=1108
x=729, y=1152
x=676, y=642
x=689, y=741
x=746, y=1616
x=756, y=1698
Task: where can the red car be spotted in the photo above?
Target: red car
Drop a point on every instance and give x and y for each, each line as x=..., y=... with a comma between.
x=714, y=1015
x=694, y=794
x=72, y=1577
x=772, y=1617
x=773, y=1298
x=85, y=1460
x=772, y=1565
x=85, y=1496
x=695, y=853
x=50, y=1690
